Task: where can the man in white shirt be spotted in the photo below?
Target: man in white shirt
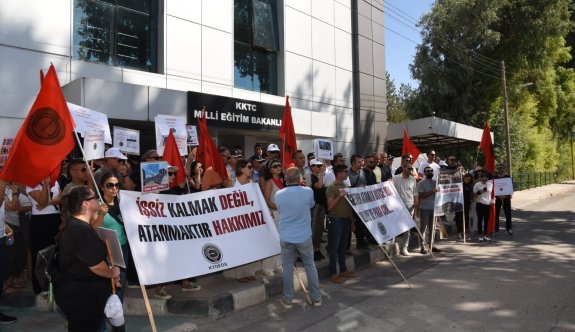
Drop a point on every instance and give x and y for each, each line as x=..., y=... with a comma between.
x=406, y=187
x=483, y=190
x=431, y=163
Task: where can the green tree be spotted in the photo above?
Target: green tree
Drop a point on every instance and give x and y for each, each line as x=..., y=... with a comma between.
x=396, y=111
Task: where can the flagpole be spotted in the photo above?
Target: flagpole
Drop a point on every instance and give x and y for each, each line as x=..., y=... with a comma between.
x=96, y=188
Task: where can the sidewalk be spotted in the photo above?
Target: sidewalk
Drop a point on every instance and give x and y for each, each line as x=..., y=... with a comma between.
x=220, y=296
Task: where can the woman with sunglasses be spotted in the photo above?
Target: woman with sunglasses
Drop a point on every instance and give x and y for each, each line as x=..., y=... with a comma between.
x=85, y=273
x=274, y=182
x=195, y=177
x=110, y=188
x=246, y=272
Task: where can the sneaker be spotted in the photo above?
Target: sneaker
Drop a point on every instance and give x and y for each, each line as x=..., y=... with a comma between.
x=191, y=287
x=481, y=238
x=459, y=238
x=487, y=238
x=317, y=303
x=423, y=251
x=348, y=274
x=435, y=249
x=335, y=279
x=509, y=232
x=404, y=252
x=9, y=320
x=162, y=294
x=285, y=304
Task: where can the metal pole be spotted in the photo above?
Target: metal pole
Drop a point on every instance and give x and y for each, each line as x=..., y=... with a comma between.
x=506, y=118
x=572, y=160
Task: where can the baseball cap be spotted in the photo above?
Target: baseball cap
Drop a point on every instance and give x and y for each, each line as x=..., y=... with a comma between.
x=315, y=162
x=236, y=154
x=173, y=168
x=114, y=153
x=273, y=147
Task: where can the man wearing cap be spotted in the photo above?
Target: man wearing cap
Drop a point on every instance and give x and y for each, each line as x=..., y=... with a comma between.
x=112, y=160
x=318, y=211
x=256, y=161
x=503, y=200
x=234, y=156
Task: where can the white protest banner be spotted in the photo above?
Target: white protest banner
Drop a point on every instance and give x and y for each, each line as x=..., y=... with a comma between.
x=177, y=124
x=94, y=144
x=503, y=187
x=174, y=237
x=381, y=210
x=88, y=120
x=127, y=140
x=154, y=176
x=192, y=135
x=115, y=248
x=323, y=148
x=7, y=143
x=449, y=195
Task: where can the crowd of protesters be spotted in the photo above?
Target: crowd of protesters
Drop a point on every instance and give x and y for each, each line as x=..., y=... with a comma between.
x=34, y=217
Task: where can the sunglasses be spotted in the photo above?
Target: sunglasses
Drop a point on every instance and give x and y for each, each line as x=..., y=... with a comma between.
x=277, y=166
x=273, y=152
x=429, y=172
x=171, y=173
x=410, y=169
x=91, y=198
x=111, y=185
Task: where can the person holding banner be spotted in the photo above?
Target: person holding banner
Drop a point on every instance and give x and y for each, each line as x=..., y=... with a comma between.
x=246, y=272
x=406, y=187
x=274, y=182
x=293, y=203
x=339, y=225
x=427, y=189
x=85, y=275
x=503, y=200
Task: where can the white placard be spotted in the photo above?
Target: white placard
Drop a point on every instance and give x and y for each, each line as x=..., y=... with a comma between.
x=449, y=195
x=381, y=210
x=177, y=124
x=192, y=135
x=503, y=187
x=127, y=140
x=154, y=176
x=115, y=248
x=94, y=144
x=89, y=120
x=174, y=237
x=323, y=148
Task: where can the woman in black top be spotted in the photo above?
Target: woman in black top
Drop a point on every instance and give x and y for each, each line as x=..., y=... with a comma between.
x=84, y=286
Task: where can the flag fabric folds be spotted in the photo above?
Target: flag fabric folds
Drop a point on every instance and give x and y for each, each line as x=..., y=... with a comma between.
x=486, y=147
x=172, y=156
x=408, y=147
x=287, y=136
x=207, y=151
x=45, y=138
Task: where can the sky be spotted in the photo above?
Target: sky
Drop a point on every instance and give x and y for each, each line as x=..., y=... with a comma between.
x=400, y=17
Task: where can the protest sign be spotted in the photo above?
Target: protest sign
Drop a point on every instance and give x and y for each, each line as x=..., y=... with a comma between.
x=323, y=149
x=127, y=140
x=7, y=143
x=176, y=124
x=154, y=176
x=449, y=196
x=503, y=187
x=89, y=120
x=174, y=237
x=94, y=144
x=192, y=135
x=115, y=248
x=381, y=210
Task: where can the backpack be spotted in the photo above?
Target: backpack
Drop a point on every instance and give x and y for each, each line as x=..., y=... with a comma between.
x=47, y=267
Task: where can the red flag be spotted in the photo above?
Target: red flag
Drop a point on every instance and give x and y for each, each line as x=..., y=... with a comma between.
x=207, y=152
x=492, y=212
x=287, y=136
x=172, y=156
x=45, y=138
x=486, y=147
x=408, y=147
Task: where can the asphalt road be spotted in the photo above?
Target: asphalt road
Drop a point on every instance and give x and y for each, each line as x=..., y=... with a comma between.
x=524, y=282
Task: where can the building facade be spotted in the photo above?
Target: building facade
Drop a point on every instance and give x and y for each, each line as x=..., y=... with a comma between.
x=135, y=59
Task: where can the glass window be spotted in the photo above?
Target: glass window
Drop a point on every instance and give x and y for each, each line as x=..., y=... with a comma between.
x=255, y=45
x=116, y=32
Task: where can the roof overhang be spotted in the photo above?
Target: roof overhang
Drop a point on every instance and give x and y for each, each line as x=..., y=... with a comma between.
x=433, y=133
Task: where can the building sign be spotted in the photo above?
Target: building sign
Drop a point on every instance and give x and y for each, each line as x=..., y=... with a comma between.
x=225, y=112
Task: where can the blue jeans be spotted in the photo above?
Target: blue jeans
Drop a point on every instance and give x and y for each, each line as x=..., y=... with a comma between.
x=338, y=231
x=305, y=250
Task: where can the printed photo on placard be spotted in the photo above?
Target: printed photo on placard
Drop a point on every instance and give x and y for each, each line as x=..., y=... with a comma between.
x=127, y=140
x=154, y=176
x=323, y=149
x=192, y=135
